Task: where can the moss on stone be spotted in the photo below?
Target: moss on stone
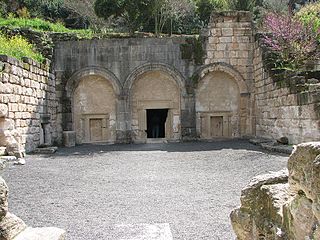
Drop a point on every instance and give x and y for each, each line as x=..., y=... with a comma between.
x=193, y=50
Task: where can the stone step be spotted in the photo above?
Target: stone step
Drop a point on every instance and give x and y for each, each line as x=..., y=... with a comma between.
x=46, y=150
x=156, y=140
x=49, y=233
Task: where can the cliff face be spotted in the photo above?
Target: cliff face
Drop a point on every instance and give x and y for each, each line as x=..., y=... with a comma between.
x=283, y=205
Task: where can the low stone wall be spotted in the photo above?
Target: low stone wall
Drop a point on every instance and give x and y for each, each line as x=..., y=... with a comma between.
x=283, y=205
x=285, y=106
x=27, y=105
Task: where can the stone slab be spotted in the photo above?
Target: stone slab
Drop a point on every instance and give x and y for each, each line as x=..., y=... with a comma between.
x=144, y=231
x=46, y=150
x=49, y=233
x=287, y=149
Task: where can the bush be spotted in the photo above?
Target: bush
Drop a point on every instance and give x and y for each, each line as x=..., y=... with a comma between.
x=18, y=47
x=291, y=42
x=42, y=25
x=310, y=14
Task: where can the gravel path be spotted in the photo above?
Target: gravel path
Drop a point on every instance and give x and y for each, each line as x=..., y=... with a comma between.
x=109, y=192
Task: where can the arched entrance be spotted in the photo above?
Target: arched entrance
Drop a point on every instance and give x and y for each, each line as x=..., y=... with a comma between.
x=221, y=102
x=155, y=102
x=94, y=110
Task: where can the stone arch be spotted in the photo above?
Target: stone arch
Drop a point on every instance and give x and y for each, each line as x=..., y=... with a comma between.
x=222, y=67
x=152, y=88
x=93, y=93
x=222, y=99
x=175, y=74
x=75, y=79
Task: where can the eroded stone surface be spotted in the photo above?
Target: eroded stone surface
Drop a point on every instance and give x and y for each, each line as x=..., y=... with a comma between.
x=11, y=226
x=275, y=209
x=3, y=198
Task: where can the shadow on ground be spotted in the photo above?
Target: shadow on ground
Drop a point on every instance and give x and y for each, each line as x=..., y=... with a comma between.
x=89, y=149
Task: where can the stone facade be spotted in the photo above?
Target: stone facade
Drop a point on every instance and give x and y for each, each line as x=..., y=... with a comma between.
x=203, y=84
x=283, y=205
x=28, y=105
x=112, y=90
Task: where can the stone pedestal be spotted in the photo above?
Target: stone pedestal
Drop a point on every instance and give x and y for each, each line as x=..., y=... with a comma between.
x=69, y=138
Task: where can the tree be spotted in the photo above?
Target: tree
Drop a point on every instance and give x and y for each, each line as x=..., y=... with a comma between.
x=165, y=11
x=132, y=11
x=291, y=42
x=242, y=5
x=206, y=7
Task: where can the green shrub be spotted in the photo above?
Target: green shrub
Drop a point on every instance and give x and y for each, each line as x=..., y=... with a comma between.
x=310, y=14
x=42, y=25
x=18, y=47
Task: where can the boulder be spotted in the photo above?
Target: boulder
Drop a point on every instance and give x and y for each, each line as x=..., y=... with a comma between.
x=3, y=198
x=283, y=140
x=11, y=226
x=276, y=206
x=260, y=213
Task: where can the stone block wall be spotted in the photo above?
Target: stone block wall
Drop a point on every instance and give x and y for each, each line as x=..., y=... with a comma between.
x=27, y=105
x=285, y=106
x=230, y=40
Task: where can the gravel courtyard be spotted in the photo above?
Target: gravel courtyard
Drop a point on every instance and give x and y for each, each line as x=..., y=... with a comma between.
x=134, y=192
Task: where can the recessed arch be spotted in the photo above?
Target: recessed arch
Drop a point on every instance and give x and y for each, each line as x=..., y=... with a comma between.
x=75, y=79
x=93, y=93
x=154, y=88
x=222, y=67
x=221, y=96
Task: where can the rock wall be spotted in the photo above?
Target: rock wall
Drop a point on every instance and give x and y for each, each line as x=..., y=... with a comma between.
x=283, y=205
x=285, y=105
x=27, y=105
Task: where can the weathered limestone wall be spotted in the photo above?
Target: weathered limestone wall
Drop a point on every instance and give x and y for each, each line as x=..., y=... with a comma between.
x=229, y=50
x=286, y=107
x=27, y=105
x=122, y=62
x=283, y=205
x=224, y=55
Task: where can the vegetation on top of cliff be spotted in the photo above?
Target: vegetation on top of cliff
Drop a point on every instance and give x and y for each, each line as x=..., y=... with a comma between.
x=42, y=25
x=18, y=47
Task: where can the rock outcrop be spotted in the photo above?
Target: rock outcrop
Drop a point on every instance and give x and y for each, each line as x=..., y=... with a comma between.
x=13, y=228
x=283, y=205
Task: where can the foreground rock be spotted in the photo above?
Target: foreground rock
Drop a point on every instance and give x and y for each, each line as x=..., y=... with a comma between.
x=283, y=205
x=13, y=228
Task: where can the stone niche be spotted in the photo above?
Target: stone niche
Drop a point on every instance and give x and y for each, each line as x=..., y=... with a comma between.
x=157, y=91
x=283, y=205
x=217, y=106
x=94, y=105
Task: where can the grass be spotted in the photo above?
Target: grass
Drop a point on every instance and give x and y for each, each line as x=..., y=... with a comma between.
x=42, y=25
x=18, y=47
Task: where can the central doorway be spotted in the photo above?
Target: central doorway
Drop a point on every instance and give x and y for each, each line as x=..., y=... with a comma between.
x=156, y=121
